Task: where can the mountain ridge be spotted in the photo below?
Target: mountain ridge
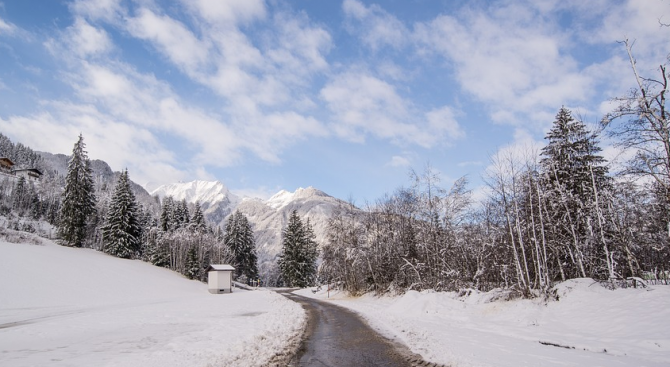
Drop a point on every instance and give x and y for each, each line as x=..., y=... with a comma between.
x=267, y=217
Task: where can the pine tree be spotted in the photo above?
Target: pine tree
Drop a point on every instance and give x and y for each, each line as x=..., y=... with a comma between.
x=297, y=261
x=156, y=252
x=574, y=177
x=20, y=195
x=121, y=232
x=192, y=266
x=239, y=238
x=78, y=198
x=167, y=214
x=571, y=155
x=249, y=258
x=198, y=219
x=181, y=214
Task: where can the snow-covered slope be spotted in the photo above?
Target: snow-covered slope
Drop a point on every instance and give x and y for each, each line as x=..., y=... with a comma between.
x=63, y=306
x=267, y=217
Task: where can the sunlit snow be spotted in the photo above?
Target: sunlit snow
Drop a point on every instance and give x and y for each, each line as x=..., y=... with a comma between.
x=588, y=326
x=77, y=307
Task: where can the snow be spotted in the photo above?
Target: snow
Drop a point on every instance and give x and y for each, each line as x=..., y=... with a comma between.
x=280, y=199
x=210, y=192
x=284, y=198
x=588, y=326
x=62, y=306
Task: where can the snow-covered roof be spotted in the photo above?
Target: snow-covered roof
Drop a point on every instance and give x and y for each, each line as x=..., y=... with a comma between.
x=34, y=170
x=221, y=267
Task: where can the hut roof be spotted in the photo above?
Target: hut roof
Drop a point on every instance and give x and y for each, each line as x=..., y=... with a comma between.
x=221, y=267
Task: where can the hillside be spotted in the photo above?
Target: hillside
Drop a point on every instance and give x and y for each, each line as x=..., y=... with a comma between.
x=77, y=307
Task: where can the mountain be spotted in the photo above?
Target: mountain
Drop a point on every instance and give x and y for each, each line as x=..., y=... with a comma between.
x=267, y=217
x=216, y=201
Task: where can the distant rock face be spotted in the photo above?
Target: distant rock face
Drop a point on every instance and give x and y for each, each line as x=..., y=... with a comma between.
x=268, y=217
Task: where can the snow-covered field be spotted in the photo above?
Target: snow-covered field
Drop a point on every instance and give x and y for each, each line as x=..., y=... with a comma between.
x=77, y=307
x=588, y=326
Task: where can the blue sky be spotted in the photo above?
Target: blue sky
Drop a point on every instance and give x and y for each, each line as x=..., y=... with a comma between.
x=346, y=96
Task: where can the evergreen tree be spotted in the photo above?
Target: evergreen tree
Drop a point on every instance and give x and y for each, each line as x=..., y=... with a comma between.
x=167, y=214
x=198, y=218
x=121, y=232
x=574, y=177
x=192, y=267
x=78, y=203
x=571, y=156
x=156, y=252
x=248, y=258
x=20, y=195
x=181, y=214
x=297, y=261
x=239, y=238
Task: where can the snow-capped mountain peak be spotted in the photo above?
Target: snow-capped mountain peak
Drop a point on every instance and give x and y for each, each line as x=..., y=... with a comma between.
x=283, y=197
x=280, y=199
x=203, y=191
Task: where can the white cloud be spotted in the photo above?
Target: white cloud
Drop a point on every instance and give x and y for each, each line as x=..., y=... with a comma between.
x=108, y=10
x=398, y=161
x=6, y=28
x=171, y=37
x=637, y=20
x=507, y=59
x=470, y=163
x=443, y=120
x=362, y=104
x=229, y=12
x=116, y=98
x=375, y=26
x=87, y=40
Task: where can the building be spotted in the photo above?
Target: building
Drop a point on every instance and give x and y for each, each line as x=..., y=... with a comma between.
x=220, y=278
x=30, y=174
x=6, y=165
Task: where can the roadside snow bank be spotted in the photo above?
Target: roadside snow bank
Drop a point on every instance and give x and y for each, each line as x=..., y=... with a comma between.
x=61, y=306
x=589, y=326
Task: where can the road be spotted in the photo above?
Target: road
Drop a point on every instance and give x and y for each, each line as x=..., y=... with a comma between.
x=336, y=337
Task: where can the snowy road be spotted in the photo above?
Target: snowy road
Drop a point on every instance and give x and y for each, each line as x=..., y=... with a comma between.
x=338, y=337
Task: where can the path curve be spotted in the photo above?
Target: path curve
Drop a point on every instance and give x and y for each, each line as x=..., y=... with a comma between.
x=337, y=337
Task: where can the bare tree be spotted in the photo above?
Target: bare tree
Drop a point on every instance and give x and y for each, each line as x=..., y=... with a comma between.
x=645, y=126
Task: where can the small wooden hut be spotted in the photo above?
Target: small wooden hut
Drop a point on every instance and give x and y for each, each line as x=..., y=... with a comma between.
x=220, y=278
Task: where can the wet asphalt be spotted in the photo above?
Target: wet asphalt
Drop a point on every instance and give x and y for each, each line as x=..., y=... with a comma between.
x=336, y=337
